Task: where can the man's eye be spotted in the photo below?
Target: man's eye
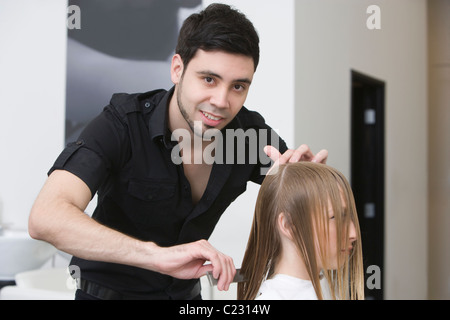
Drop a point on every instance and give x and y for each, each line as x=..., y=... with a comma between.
x=209, y=80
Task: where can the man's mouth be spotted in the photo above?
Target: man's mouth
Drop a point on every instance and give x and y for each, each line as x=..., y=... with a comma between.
x=211, y=117
x=211, y=120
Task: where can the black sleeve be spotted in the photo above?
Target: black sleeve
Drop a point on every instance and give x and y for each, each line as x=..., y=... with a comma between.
x=266, y=136
x=100, y=149
x=273, y=139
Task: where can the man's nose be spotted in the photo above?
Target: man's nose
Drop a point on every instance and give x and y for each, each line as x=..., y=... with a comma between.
x=219, y=98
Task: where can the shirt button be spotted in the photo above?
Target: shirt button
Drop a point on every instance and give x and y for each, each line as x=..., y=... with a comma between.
x=79, y=143
x=148, y=104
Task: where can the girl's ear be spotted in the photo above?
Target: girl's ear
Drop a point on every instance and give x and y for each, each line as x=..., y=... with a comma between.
x=284, y=226
x=176, y=69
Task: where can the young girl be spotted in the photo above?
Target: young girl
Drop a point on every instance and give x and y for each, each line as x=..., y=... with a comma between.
x=305, y=241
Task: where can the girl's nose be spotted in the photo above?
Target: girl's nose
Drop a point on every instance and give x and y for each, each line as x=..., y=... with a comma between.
x=352, y=232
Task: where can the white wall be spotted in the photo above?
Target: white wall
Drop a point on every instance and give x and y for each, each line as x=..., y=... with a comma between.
x=331, y=39
x=32, y=91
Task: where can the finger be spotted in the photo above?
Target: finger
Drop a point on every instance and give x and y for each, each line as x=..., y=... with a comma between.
x=204, y=270
x=277, y=158
x=272, y=153
x=217, y=267
x=302, y=153
x=227, y=275
x=321, y=157
x=223, y=270
x=285, y=157
x=221, y=265
x=223, y=277
x=281, y=160
x=231, y=272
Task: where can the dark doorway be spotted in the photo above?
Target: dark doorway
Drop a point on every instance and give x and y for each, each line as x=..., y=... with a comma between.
x=367, y=174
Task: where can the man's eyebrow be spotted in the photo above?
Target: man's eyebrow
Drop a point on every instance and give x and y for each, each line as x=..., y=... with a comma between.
x=215, y=75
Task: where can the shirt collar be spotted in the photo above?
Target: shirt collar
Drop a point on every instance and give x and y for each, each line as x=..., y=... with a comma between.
x=158, y=122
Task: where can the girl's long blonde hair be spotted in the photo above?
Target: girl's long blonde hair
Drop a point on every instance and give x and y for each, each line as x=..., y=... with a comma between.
x=304, y=191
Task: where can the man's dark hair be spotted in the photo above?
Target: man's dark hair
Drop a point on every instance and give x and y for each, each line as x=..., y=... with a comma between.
x=218, y=28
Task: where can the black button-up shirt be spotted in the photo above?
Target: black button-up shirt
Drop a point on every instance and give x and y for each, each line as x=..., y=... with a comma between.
x=126, y=156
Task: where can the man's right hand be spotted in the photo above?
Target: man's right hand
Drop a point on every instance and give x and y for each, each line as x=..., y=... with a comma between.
x=188, y=261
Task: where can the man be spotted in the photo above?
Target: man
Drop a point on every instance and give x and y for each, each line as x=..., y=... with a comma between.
x=146, y=238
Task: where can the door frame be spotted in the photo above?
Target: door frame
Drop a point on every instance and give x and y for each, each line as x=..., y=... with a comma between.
x=368, y=126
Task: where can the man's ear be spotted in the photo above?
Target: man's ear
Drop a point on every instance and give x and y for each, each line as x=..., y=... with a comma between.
x=176, y=69
x=284, y=225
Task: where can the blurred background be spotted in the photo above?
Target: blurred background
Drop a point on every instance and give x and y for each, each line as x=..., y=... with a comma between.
x=367, y=80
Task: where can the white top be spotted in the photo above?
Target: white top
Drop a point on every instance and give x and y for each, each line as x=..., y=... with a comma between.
x=284, y=287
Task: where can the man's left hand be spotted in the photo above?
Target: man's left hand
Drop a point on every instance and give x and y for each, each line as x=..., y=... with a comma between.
x=302, y=153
